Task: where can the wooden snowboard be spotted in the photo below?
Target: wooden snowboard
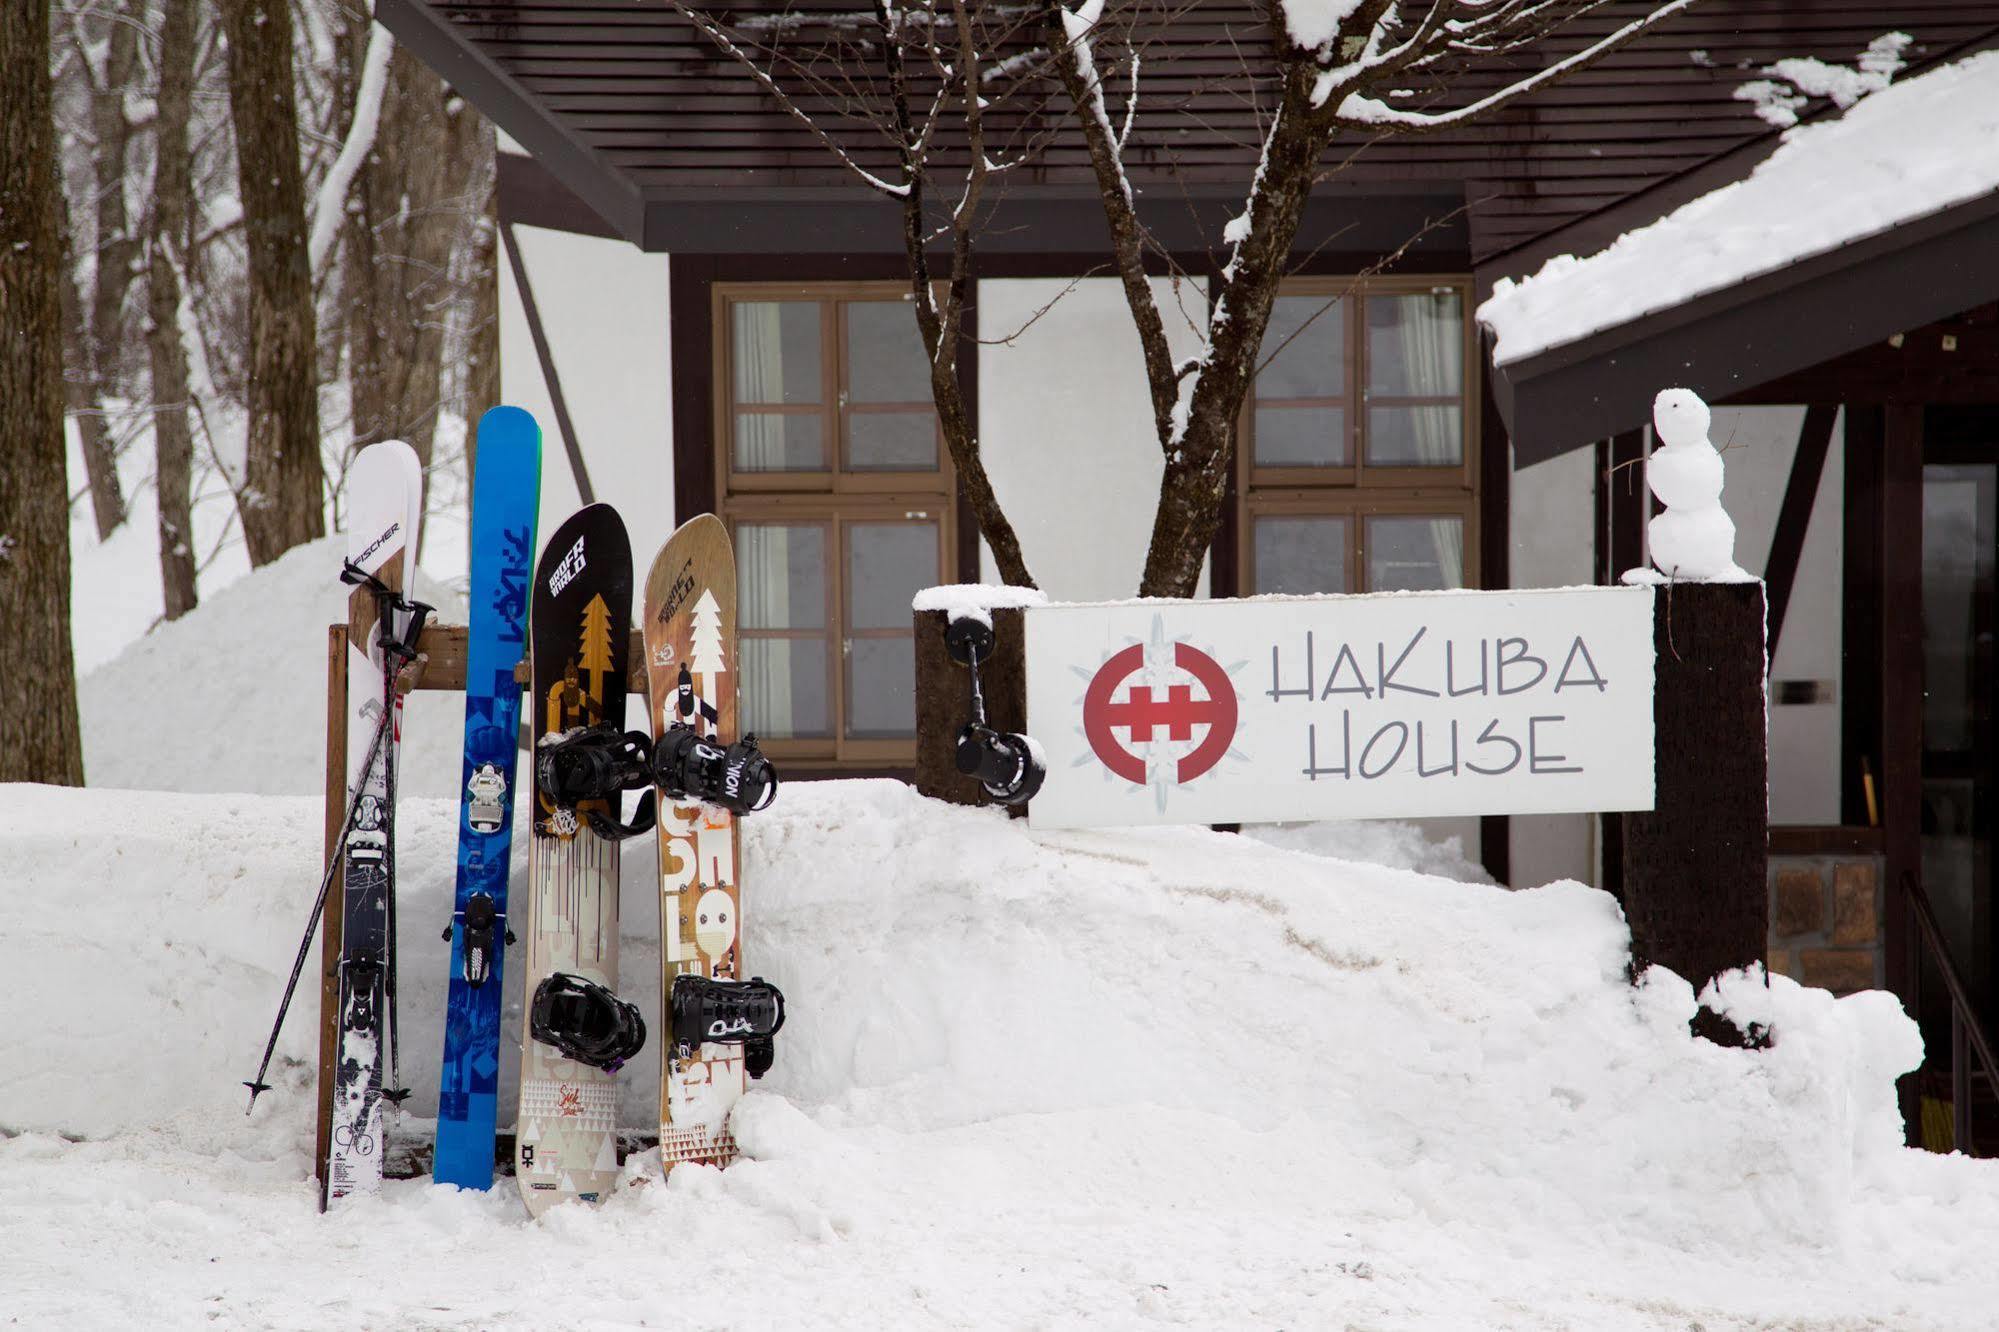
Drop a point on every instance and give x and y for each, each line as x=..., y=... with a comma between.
x=690, y=635
x=579, y=626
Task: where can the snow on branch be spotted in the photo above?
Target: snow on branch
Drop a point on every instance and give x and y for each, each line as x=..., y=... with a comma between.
x=1360, y=110
x=329, y=205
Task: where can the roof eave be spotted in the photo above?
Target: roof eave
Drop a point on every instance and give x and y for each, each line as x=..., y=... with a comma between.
x=1732, y=340
x=437, y=42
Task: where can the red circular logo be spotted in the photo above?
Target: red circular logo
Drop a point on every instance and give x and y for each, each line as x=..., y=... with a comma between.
x=1141, y=713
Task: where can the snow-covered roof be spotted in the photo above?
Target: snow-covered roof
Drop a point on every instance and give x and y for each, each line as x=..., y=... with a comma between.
x=1908, y=151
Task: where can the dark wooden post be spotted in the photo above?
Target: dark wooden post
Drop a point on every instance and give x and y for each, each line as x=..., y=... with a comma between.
x=944, y=700
x=1695, y=867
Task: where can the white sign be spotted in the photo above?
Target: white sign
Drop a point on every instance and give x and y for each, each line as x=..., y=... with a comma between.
x=1395, y=705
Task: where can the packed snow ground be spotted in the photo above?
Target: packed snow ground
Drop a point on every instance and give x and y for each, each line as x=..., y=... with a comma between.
x=1112, y=1079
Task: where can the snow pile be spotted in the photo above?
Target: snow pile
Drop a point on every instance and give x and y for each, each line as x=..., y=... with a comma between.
x=1693, y=538
x=1116, y=1078
x=976, y=601
x=1386, y=842
x=1794, y=82
x=1914, y=148
x=232, y=696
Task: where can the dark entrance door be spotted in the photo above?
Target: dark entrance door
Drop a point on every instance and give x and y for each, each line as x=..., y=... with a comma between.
x=1960, y=545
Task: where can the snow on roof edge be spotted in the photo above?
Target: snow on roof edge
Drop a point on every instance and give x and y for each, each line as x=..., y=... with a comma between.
x=1789, y=209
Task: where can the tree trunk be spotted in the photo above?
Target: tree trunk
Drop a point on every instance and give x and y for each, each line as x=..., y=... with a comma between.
x=411, y=212
x=117, y=247
x=482, y=357
x=83, y=391
x=282, y=501
x=173, y=439
x=39, y=737
x=1197, y=471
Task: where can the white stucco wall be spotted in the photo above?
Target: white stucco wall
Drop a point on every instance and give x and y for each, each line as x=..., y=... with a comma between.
x=1553, y=512
x=603, y=306
x=1066, y=425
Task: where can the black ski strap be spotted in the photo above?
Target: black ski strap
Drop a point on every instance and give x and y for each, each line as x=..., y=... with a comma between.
x=613, y=830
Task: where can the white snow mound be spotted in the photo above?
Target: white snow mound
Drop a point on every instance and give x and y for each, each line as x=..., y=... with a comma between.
x=232, y=696
x=1027, y=1079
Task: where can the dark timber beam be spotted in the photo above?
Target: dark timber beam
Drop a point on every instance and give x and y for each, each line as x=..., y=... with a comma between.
x=432, y=38
x=1794, y=518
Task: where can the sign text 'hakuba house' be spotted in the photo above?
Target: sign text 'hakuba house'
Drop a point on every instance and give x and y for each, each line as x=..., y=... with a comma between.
x=1392, y=706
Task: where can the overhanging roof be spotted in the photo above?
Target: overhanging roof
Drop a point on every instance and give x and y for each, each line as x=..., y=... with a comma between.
x=674, y=147
x=1732, y=340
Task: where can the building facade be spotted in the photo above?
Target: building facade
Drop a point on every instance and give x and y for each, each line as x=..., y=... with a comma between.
x=708, y=317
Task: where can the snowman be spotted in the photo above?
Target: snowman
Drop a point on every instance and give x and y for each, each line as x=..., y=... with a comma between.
x=1692, y=538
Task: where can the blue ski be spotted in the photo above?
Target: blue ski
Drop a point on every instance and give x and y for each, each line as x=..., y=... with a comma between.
x=506, y=487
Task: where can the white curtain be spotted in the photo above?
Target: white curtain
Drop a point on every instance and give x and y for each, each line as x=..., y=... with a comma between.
x=764, y=602
x=757, y=353
x=1431, y=336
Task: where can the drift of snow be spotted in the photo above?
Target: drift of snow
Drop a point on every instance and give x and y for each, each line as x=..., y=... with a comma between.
x=1692, y=538
x=976, y=601
x=1313, y=23
x=1922, y=145
x=1796, y=81
x=1161, y=1076
x=232, y=696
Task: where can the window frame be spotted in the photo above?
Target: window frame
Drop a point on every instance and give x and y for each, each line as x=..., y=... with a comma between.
x=1360, y=490
x=833, y=411
x=834, y=499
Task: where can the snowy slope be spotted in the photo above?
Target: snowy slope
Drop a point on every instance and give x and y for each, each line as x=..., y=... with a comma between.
x=232, y=696
x=1113, y=1079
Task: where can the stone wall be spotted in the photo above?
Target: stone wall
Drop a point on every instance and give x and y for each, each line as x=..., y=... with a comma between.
x=1825, y=921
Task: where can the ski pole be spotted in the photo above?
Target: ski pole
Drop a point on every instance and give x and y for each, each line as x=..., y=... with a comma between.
x=257, y=1084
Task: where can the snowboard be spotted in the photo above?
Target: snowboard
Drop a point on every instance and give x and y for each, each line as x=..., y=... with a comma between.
x=506, y=487
x=579, y=624
x=690, y=649
x=385, y=513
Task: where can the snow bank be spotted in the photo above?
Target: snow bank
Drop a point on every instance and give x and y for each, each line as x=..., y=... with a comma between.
x=1922, y=145
x=1386, y=842
x=232, y=696
x=1117, y=1078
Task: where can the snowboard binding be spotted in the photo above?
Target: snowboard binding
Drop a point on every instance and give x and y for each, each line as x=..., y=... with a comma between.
x=594, y=764
x=690, y=767
x=1007, y=765
x=739, y=779
x=586, y=1021
x=723, y=1012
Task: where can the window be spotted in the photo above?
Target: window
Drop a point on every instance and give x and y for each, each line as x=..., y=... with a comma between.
x=1358, y=454
x=838, y=492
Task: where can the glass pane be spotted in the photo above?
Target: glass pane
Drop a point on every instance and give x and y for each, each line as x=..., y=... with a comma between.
x=885, y=360
x=881, y=689
x=1301, y=437
x=889, y=563
x=1415, y=554
x=781, y=576
x=784, y=687
x=1415, y=344
x=892, y=441
x=1312, y=363
x=1957, y=590
x=1415, y=436
x=1301, y=555
x=768, y=443
x=774, y=347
